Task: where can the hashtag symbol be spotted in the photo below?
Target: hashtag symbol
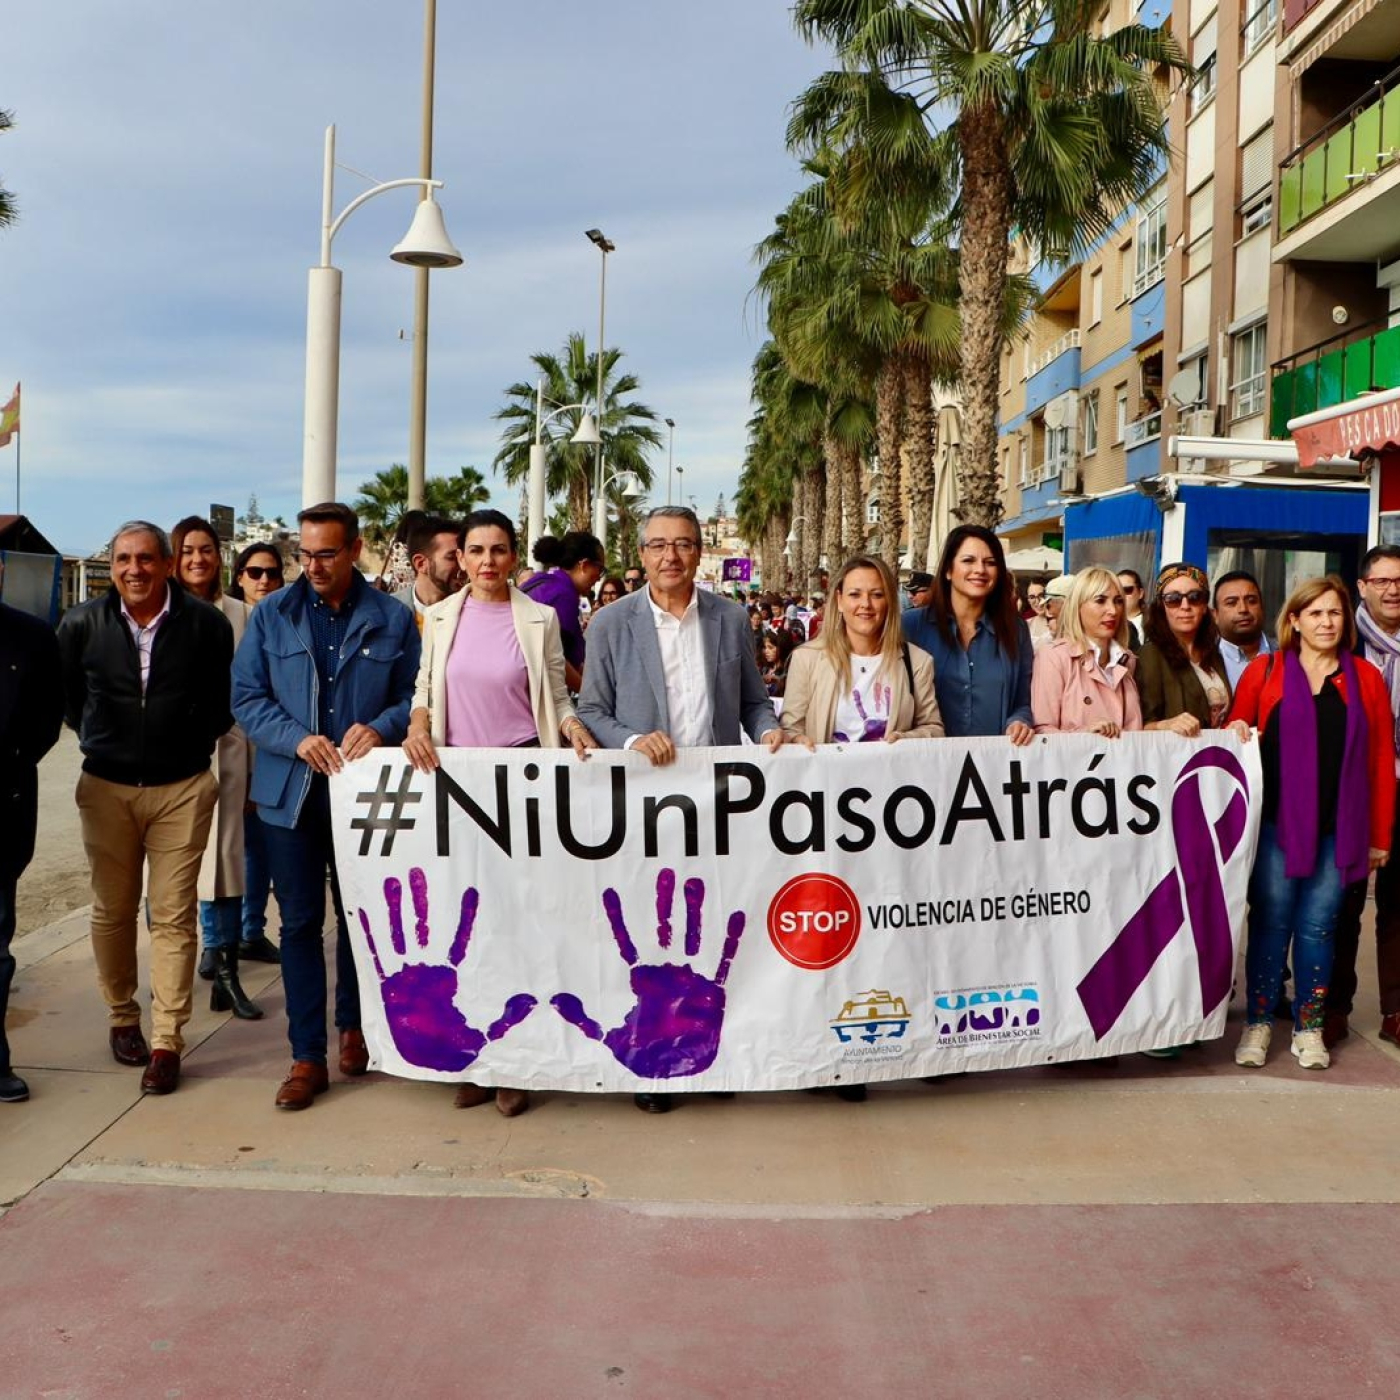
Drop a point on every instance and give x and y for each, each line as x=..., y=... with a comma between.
x=375, y=820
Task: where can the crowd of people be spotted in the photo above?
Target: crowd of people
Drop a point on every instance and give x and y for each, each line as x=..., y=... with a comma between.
x=211, y=718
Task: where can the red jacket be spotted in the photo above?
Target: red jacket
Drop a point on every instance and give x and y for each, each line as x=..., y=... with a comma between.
x=1260, y=690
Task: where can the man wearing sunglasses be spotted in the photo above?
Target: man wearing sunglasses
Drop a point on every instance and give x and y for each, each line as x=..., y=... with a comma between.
x=324, y=675
x=1378, y=631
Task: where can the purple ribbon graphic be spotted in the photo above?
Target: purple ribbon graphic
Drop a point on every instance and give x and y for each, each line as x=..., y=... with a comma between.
x=1202, y=849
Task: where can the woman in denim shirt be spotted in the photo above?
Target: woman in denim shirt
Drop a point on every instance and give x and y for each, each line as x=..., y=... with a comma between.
x=980, y=646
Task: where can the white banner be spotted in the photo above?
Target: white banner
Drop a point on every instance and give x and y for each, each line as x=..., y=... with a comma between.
x=743, y=920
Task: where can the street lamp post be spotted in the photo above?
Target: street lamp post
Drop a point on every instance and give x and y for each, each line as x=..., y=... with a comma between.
x=604, y=246
x=426, y=244
x=631, y=490
x=670, y=458
x=418, y=390
x=792, y=539
x=586, y=432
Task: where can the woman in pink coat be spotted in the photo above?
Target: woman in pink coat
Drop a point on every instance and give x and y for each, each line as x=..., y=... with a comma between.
x=1083, y=682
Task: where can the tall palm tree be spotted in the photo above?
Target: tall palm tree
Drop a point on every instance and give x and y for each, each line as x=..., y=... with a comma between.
x=1047, y=125
x=625, y=426
x=383, y=499
x=8, y=212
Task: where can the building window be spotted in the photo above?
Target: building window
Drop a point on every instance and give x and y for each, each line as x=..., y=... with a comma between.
x=1203, y=89
x=1259, y=26
x=1151, y=244
x=1120, y=413
x=1091, y=423
x=1247, y=391
x=1025, y=463
x=1096, y=296
x=1258, y=214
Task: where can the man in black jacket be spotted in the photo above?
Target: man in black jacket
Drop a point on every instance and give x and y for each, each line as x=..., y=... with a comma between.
x=146, y=685
x=30, y=718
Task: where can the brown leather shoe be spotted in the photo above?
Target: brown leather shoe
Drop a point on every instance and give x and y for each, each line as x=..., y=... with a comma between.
x=1335, y=1028
x=1390, y=1028
x=511, y=1103
x=472, y=1096
x=129, y=1046
x=304, y=1081
x=354, y=1053
x=162, y=1074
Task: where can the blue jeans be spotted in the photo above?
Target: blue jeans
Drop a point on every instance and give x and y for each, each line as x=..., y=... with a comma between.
x=219, y=920
x=299, y=858
x=1301, y=911
x=257, y=878
x=8, y=884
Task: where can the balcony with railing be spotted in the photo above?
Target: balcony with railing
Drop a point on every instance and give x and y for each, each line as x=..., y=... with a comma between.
x=1356, y=362
x=1142, y=447
x=1295, y=11
x=1355, y=148
x=1144, y=429
x=1053, y=372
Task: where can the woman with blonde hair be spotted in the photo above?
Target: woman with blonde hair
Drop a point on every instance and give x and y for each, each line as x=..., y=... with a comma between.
x=860, y=681
x=1324, y=719
x=1083, y=680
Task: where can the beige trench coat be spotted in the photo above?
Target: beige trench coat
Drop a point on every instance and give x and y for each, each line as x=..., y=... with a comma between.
x=221, y=872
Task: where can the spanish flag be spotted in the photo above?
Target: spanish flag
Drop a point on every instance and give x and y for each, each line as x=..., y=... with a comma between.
x=9, y=419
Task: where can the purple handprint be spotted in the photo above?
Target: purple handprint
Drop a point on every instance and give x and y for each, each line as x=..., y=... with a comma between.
x=674, y=1028
x=428, y=1029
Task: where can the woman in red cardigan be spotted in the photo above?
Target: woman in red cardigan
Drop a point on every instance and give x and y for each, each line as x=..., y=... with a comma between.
x=1327, y=745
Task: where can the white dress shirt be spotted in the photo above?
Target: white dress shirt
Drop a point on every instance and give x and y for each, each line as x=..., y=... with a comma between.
x=145, y=637
x=688, y=703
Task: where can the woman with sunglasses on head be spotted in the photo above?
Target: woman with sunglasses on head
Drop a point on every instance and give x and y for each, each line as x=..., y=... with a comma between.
x=492, y=676
x=258, y=572
x=1180, y=673
x=980, y=647
x=199, y=570
x=1083, y=680
x=1324, y=719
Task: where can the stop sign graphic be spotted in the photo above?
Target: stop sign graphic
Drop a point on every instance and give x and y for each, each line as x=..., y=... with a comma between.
x=814, y=921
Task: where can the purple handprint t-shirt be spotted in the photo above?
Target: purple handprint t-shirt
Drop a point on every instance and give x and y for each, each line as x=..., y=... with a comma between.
x=863, y=712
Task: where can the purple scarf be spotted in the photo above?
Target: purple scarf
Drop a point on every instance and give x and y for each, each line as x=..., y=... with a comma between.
x=1297, y=815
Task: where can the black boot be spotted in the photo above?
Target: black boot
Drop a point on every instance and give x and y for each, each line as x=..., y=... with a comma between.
x=260, y=949
x=206, y=963
x=226, y=994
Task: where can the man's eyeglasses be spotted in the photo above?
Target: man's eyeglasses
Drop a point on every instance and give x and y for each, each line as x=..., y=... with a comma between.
x=682, y=547
x=1383, y=585
x=258, y=572
x=318, y=556
x=1195, y=598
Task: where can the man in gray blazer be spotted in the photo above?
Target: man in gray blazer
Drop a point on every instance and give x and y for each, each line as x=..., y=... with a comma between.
x=672, y=665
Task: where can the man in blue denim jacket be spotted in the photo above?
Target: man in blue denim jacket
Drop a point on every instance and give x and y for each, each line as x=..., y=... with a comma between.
x=324, y=674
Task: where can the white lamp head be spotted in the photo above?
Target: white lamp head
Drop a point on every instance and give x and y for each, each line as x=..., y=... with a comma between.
x=426, y=243
x=587, y=431
x=792, y=537
x=630, y=487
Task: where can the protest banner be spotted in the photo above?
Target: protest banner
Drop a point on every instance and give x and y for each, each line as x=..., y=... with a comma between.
x=741, y=920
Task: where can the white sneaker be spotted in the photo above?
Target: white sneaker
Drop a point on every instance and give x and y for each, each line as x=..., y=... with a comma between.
x=1253, y=1048
x=1309, y=1050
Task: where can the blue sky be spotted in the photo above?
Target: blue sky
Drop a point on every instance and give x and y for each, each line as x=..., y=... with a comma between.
x=167, y=162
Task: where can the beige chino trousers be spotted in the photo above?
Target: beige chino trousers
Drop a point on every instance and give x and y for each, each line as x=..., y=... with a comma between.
x=125, y=829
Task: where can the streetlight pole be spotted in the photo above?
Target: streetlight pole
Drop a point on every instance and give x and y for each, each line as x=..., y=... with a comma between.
x=600, y=509
x=586, y=432
x=418, y=393
x=426, y=244
x=670, y=458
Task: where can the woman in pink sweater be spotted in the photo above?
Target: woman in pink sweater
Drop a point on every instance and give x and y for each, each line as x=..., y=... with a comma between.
x=1083, y=682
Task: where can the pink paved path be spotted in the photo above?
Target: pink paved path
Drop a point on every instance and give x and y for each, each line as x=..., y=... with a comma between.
x=151, y=1291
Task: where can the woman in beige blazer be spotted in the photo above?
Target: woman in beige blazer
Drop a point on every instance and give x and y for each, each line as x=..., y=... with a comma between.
x=860, y=681
x=492, y=676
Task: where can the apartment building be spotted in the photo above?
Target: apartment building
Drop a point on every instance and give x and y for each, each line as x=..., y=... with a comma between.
x=1162, y=336
x=1334, y=326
